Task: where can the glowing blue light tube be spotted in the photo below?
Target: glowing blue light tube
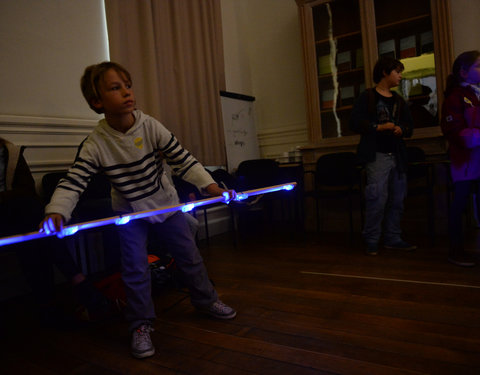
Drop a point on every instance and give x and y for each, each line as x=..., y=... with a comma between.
x=69, y=230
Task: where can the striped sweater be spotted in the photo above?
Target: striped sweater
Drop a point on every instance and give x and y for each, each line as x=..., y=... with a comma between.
x=132, y=161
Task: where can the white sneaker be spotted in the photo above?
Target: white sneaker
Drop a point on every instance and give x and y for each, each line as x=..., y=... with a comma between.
x=218, y=310
x=142, y=346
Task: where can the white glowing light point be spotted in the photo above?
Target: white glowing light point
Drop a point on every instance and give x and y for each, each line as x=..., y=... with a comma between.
x=122, y=220
x=67, y=232
x=288, y=187
x=241, y=197
x=188, y=207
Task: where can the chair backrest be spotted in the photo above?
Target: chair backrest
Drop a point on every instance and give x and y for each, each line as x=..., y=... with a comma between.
x=49, y=183
x=337, y=169
x=224, y=179
x=98, y=187
x=258, y=173
x=415, y=155
x=186, y=191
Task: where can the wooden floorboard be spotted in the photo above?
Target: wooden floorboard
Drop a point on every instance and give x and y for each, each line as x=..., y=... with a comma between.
x=307, y=304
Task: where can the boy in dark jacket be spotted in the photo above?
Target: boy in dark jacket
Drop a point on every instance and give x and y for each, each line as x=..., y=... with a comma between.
x=383, y=119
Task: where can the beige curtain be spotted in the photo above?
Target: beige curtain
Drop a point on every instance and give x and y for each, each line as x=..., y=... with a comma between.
x=173, y=49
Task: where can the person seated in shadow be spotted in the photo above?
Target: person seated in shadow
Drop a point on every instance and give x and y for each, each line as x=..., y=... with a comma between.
x=21, y=209
x=418, y=98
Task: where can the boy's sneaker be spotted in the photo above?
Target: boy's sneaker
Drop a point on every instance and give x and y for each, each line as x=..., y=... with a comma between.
x=372, y=249
x=461, y=259
x=400, y=245
x=218, y=310
x=142, y=346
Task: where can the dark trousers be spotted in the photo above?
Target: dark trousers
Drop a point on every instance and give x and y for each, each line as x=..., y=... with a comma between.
x=462, y=190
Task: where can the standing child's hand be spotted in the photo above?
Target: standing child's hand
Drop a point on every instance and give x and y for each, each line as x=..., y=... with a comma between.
x=52, y=223
x=397, y=131
x=386, y=126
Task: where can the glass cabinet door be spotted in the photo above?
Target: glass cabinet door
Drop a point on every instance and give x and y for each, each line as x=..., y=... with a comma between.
x=404, y=31
x=340, y=63
x=342, y=40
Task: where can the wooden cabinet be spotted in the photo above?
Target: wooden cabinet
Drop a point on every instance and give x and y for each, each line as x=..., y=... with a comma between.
x=342, y=40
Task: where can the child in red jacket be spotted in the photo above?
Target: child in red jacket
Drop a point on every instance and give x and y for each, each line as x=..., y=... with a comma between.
x=461, y=126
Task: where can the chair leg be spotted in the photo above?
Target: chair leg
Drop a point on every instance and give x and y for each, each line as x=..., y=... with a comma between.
x=234, y=221
x=205, y=220
x=350, y=210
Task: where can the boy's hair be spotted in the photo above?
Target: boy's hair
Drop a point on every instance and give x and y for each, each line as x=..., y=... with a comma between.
x=89, y=82
x=385, y=65
x=463, y=62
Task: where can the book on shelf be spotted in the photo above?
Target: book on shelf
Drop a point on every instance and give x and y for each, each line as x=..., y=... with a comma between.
x=426, y=42
x=387, y=48
x=360, y=88
x=359, y=58
x=324, y=65
x=344, y=61
x=347, y=94
x=327, y=99
x=408, y=47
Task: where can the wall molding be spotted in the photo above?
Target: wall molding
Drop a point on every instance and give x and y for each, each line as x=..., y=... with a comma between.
x=45, y=125
x=282, y=135
x=274, y=142
x=50, y=143
x=42, y=120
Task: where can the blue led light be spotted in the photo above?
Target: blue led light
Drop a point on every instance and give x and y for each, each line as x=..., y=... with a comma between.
x=241, y=196
x=226, y=195
x=122, y=220
x=188, y=207
x=67, y=231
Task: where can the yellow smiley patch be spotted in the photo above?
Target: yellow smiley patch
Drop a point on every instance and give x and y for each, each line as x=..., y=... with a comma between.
x=138, y=142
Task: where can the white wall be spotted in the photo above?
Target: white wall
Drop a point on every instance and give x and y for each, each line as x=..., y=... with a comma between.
x=465, y=25
x=45, y=46
x=263, y=58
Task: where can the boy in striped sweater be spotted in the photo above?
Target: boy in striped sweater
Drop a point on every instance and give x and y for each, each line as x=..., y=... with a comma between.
x=126, y=147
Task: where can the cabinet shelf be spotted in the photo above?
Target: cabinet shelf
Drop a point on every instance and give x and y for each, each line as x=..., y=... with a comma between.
x=341, y=36
x=404, y=21
x=339, y=109
x=341, y=73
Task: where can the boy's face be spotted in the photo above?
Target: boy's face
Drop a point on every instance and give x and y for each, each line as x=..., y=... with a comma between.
x=393, y=78
x=116, y=94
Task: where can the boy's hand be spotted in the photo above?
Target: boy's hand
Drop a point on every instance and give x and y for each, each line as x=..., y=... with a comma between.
x=51, y=224
x=215, y=190
x=397, y=131
x=386, y=126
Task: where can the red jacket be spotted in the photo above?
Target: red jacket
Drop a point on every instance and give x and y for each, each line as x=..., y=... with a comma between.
x=465, y=162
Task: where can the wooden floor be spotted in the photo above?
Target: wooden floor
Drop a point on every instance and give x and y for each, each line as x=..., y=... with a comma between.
x=306, y=305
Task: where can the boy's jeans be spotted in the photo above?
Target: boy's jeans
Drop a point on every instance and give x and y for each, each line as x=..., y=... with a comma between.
x=177, y=237
x=384, y=195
